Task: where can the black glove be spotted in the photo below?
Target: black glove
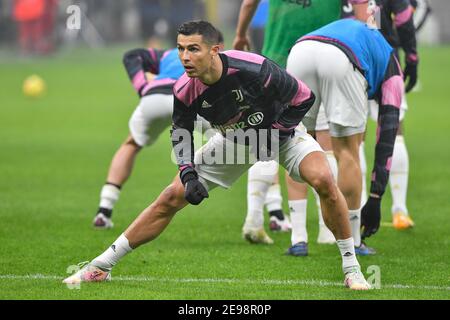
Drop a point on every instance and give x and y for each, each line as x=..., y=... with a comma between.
x=194, y=191
x=410, y=75
x=370, y=217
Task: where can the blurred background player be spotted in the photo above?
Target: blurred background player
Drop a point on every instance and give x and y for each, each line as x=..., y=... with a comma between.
x=36, y=21
x=397, y=26
x=345, y=63
x=286, y=22
x=152, y=116
x=395, y=21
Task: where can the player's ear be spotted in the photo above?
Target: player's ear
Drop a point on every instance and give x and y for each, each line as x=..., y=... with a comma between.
x=215, y=49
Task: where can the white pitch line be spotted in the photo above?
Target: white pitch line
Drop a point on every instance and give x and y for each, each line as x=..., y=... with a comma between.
x=317, y=283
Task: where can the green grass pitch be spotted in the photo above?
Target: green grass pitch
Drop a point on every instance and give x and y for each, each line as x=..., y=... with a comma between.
x=54, y=155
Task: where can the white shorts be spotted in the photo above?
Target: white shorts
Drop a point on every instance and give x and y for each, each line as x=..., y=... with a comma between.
x=322, y=121
x=373, y=108
x=151, y=117
x=225, y=174
x=336, y=83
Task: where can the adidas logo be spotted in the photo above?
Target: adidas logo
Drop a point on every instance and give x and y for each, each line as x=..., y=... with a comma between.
x=206, y=105
x=348, y=254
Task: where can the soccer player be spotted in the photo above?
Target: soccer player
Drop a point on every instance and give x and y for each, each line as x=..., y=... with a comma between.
x=397, y=26
x=345, y=63
x=287, y=21
x=239, y=94
x=151, y=117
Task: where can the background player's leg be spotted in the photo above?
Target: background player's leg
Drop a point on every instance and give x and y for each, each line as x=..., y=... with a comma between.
x=118, y=173
x=315, y=171
x=151, y=117
x=346, y=150
x=297, y=195
x=260, y=177
x=398, y=181
x=147, y=226
x=363, y=165
x=274, y=205
x=324, y=139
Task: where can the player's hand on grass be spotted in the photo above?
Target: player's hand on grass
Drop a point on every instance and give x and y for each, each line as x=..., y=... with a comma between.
x=370, y=217
x=410, y=74
x=194, y=191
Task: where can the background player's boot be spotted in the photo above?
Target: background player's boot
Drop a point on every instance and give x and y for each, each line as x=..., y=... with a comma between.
x=256, y=235
x=401, y=221
x=299, y=249
x=277, y=224
x=355, y=280
x=88, y=273
x=101, y=221
x=364, y=250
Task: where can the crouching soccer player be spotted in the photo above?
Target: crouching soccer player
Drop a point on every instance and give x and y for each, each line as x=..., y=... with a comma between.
x=233, y=90
x=151, y=117
x=397, y=26
x=345, y=63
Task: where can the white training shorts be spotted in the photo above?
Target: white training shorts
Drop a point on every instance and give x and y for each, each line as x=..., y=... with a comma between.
x=225, y=173
x=151, y=117
x=340, y=87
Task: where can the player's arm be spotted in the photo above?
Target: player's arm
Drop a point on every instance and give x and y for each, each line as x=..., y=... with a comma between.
x=183, y=146
x=289, y=90
x=248, y=9
x=138, y=62
x=406, y=31
x=388, y=123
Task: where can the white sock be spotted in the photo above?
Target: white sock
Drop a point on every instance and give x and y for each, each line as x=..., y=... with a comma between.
x=363, y=164
x=113, y=254
x=355, y=224
x=109, y=196
x=398, y=178
x=347, y=249
x=260, y=178
x=273, y=198
x=298, y=220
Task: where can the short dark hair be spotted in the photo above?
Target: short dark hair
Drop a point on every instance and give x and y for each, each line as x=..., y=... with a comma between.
x=209, y=33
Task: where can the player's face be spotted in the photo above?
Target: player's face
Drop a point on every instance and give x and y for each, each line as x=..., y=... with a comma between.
x=195, y=55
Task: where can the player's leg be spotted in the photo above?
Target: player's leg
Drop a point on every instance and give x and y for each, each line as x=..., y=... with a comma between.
x=346, y=149
x=323, y=137
x=155, y=218
x=297, y=195
x=119, y=171
x=147, y=226
x=398, y=178
x=345, y=100
x=301, y=63
x=306, y=162
x=278, y=221
x=363, y=165
x=260, y=177
x=150, y=118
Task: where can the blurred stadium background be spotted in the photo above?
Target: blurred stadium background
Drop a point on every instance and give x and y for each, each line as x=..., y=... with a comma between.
x=56, y=149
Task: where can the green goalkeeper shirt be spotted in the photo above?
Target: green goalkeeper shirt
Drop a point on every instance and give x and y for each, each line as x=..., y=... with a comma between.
x=291, y=19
